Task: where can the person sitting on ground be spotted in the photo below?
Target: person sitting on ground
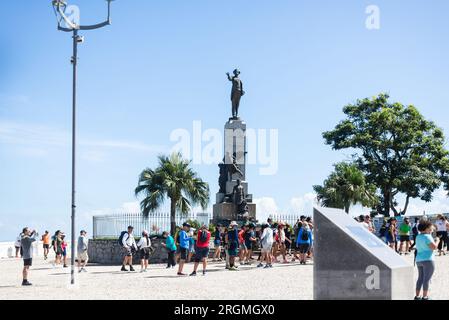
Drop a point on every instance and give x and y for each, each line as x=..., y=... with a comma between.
x=184, y=244
x=129, y=248
x=202, y=249
x=425, y=247
x=170, y=246
x=304, y=242
x=28, y=237
x=82, y=249
x=144, y=246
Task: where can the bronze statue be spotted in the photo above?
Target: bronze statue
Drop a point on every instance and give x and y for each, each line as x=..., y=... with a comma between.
x=239, y=194
x=223, y=176
x=232, y=166
x=236, y=93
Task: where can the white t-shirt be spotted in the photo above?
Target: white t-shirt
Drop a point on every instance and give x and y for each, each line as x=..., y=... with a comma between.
x=143, y=243
x=267, y=237
x=441, y=225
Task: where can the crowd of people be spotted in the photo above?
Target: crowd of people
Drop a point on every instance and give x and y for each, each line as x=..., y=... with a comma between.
x=423, y=237
x=248, y=243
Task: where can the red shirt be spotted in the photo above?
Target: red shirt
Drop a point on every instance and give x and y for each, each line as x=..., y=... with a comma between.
x=200, y=244
x=241, y=233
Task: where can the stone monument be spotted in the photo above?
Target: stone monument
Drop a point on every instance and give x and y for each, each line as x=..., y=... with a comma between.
x=233, y=202
x=351, y=263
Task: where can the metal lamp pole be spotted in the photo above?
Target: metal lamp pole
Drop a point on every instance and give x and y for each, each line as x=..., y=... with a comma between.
x=71, y=26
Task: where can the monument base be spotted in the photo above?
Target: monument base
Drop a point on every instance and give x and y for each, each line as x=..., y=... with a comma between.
x=228, y=212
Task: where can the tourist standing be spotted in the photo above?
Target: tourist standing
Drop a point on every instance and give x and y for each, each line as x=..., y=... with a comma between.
x=404, y=236
x=217, y=243
x=232, y=238
x=266, y=241
x=202, y=249
x=250, y=239
x=415, y=232
x=82, y=248
x=170, y=246
x=391, y=234
x=144, y=246
x=129, y=248
x=184, y=244
x=242, y=247
x=64, y=246
x=304, y=242
x=28, y=237
x=18, y=245
x=441, y=226
x=425, y=246
x=57, y=247
x=46, y=244
x=192, y=235
x=288, y=239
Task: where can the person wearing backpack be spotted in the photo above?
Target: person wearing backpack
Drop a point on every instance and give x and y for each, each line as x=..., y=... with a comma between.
x=201, y=250
x=304, y=242
x=144, y=246
x=129, y=246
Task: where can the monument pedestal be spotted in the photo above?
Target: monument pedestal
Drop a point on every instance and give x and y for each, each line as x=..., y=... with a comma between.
x=228, y=212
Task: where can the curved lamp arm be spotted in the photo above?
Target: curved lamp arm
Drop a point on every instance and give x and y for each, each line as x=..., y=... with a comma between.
x=72, y=26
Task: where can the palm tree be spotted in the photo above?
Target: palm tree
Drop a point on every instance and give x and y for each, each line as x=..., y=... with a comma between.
x=346, y=186
x=175, y=179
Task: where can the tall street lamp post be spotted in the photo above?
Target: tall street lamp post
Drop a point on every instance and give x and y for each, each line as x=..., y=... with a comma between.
x=72, y=26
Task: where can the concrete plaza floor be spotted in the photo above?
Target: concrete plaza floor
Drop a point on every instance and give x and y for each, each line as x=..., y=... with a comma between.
x=284, y=282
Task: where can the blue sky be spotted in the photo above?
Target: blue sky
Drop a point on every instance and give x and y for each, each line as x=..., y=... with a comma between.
x=161, y=66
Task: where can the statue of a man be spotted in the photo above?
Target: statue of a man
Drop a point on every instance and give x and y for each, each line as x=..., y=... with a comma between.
x=236, y=93
x=239, y=193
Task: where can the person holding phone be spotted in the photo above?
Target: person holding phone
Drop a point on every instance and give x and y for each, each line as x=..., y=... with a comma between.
x=28, y=237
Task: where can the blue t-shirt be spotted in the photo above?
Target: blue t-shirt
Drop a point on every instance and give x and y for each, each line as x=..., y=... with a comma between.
x=233, y=235
x=422, y=246
x=299, y=239
x=184, y=240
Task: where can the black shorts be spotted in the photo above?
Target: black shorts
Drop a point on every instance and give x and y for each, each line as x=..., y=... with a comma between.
x=144, y=254
x=303, y=247
x=184, y=253
x=27, y=262
x=404, y=238
x=201, y=253
x=46, y=246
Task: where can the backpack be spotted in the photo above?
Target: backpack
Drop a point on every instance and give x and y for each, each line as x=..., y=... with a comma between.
x=383, y=231
x=305, y=235
x=203, y=237
x=120, y=239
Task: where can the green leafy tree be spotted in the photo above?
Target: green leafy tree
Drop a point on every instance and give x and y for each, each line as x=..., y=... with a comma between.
x=344, y=187
x=399, y=150
x=175, y=179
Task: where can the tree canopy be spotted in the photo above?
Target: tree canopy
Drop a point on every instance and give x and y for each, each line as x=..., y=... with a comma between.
x=396, y=147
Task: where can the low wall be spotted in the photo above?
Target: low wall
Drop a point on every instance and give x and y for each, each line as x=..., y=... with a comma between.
x=109, y=252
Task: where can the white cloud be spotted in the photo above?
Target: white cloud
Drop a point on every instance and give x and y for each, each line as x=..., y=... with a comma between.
x=265, y=207
x=304, y=204
x=439, y=204
x=35, y=139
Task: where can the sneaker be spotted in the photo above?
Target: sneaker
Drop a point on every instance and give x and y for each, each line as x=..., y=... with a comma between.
x=260, y=265
x=267, y=266
x=124, y=269
x=204, y=273
x=80, y=270
x=193, y=274
x=426, y=298
x=417, y=298
x=167, y=267
x=84, y=270
x=181, y=274
x=271, y=266
x=66, y=266
x=131, y=269
x=26, y=283
x=233, y=269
